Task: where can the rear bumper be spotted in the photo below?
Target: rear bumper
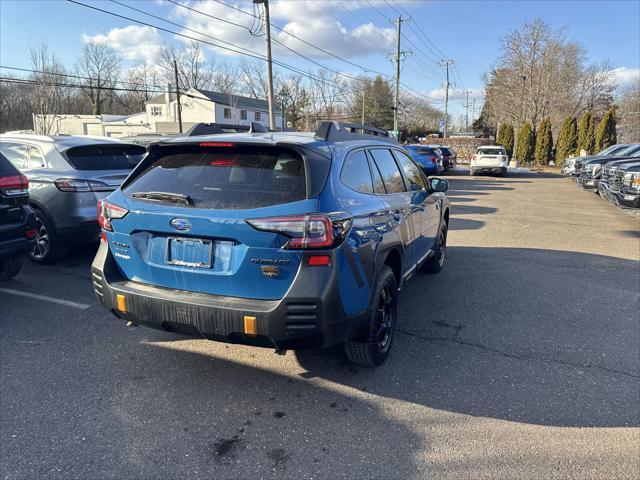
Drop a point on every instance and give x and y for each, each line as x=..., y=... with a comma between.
x=85, y=232
x=499, y=170
x=13, y=238
x=309, y=316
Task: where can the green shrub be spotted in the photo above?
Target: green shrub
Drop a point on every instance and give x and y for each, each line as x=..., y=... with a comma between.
x=567, y=143
x=526, y=143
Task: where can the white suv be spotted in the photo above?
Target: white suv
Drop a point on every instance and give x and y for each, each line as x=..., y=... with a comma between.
x=490, y=158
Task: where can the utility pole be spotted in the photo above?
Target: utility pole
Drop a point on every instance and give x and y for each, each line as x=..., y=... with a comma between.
x=446, y=64
x=364, y=93
x=398, y=57
x=283, y=97
x=175, y=72
x=473, y=112
x=267, y=44
x=466, y=119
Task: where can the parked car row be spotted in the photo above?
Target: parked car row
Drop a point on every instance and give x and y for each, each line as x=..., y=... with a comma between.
x=614, y=173
x=433, y=159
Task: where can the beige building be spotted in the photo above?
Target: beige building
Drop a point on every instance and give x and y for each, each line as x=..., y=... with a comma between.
x=161, y=116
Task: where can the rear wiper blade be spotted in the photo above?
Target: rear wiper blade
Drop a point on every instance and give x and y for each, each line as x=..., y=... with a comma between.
x=165, y=197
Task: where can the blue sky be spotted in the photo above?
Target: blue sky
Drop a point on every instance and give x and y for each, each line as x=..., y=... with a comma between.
x=469, y=32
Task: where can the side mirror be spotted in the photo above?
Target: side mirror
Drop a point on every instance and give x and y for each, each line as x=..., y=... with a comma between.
x=439, y=185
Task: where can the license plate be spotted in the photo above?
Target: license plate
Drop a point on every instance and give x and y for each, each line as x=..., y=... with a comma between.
x=189, y=252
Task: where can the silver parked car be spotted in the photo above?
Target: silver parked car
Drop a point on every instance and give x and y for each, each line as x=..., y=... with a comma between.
x=67, y=176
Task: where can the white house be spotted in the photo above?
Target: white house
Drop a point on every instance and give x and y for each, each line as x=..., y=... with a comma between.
x=161, y=115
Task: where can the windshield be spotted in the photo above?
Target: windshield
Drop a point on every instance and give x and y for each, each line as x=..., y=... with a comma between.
x=613, y=149
x=627, y=151
x=105, y=157
x=234, y=178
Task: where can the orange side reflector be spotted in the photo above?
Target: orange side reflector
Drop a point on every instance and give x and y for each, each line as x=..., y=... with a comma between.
x=122, y=303
x=250, y=326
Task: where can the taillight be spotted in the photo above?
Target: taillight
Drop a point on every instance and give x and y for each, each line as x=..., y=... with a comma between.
x=474, y=158
x=433, y=159
x=107, y=212
x=77, y=185
x=14, y=185
x=217, y=144
x=305, y=231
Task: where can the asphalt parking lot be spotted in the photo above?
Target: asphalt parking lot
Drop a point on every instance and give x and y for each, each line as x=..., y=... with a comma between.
x=519, y=360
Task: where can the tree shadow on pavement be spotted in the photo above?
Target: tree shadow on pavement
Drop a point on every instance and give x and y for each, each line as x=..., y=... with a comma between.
x=533, y=336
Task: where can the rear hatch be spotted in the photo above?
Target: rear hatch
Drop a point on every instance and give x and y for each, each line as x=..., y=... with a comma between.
x=490, y=157
x=104, y=166
x=185, y=228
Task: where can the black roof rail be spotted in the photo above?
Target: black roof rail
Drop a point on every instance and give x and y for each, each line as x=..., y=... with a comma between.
x=217, y=128
x=333, y=131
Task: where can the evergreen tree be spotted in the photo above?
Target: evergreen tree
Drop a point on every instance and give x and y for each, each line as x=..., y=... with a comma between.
x=508, y=139
x=606, y=135
x=567, y=143
x=544, y=143
x=586, y=133
x=526, y=143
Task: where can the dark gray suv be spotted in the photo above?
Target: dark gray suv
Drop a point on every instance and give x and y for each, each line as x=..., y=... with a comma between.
x=67, y=176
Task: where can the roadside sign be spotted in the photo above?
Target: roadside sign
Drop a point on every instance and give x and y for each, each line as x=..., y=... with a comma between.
x=441, y=125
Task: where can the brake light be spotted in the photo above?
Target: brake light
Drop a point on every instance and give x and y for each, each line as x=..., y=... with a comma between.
x=474, y=158
x=433, y=159
x=224, y=163
x=217, y=144
x=305, y=231
x=77, y=185
x=14, y=185
x=107, y=212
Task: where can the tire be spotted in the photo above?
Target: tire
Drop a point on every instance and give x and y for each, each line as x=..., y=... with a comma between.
x=49, y=247
x=372, y=348
x=9, y=268
x=435, y=264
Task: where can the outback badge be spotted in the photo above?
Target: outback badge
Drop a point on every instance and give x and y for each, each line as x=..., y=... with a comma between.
x=270, y=271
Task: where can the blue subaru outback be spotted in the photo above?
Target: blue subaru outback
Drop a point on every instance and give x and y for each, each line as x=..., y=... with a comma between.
x=281, y=240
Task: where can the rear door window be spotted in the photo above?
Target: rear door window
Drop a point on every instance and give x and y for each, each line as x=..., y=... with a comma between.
x=230, y=178
x=389, y=170
x=105, y=157
x=355, y=172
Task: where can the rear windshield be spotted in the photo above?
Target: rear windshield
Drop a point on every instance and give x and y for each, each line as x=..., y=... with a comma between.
x=105, y=157
x=230, y=178
x=6, y=169
x=490, y=151
x=421, y=151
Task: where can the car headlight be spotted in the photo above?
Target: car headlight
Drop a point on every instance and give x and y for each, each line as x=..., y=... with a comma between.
x=632, y=179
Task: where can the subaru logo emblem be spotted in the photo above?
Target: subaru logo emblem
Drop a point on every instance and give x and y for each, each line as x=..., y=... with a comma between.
x=181, y=224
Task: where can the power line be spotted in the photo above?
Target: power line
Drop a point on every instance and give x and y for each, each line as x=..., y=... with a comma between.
x=417, y=94
x=246, y=52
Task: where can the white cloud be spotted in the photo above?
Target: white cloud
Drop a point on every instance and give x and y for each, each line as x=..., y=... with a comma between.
x=455, y=94
x=306, y=20
x=624, y=76
x=134, y=43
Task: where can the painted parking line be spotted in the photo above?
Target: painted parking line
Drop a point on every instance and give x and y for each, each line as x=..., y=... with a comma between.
x=44, y=298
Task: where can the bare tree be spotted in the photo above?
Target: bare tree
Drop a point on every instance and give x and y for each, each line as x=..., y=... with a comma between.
x=629, y=113
x=143, y=81
x=194, y=71
x=48, y=91
x=100, y=67
x=537, y=75
x=225, y=78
